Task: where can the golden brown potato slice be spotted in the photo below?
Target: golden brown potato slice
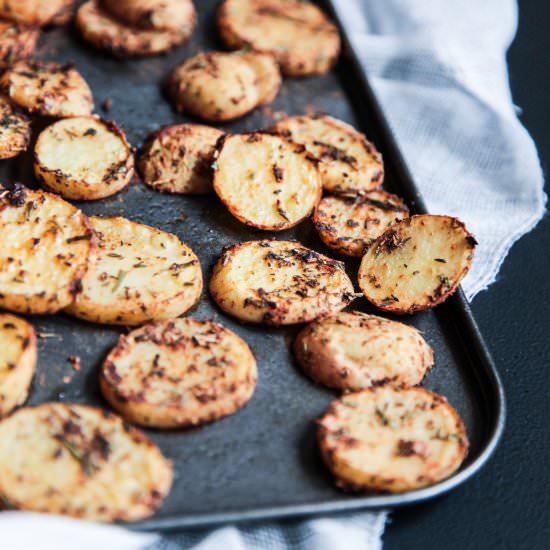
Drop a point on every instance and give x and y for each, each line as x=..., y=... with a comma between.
x=417, y=263
x=141, y=274
x=268, y=75
x=265, y=180
x=47, y=247
x=37, y=13
x=349, y=224
x=16, y=42
x=391, y=440
x=349, y=163
x=215, y=86
x=279, y=283
x=178, y=158
x=80, y=461
x=121, y=40
x=17, y=361
x=178, y=373
x=83, y=158
x=15, y=131
x=354, y=351
x=47, y=88
x=297, y=32
x=169, y=15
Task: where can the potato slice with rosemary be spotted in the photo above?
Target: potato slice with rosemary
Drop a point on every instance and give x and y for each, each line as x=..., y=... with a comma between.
x=46, y=248
x=265, y=180
x=178, y=373
x=16, y=42
x=141, y=274
x=391, y=440
x=80, y=461
x=15, y=131
x=17, y=361
x=417, y=263
x=37, y=13
x=83, y=158
x=279, y=283
x=268, y=75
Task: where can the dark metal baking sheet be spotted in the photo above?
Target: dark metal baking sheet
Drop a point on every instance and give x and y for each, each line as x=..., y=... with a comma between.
x=262, y=462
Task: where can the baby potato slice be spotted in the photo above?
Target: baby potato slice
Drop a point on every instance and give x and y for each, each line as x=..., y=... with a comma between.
x=80, y=461
x=349, y=224
x=265, y=180
x=391, y=440
x=83, y=158
x=215, y=86
x=268, y=75
x=349, y=163
x=297, y=32
x=105, y=32
x=417, y=263
x=178, y=373
x=47, y=88
x=17, y=361
x=178, y=158
x=16, y=42
x=278, y=283
x=47, y=246
x=354, y=351
x=15, y=131
x=37, y=13
x=168, y=15
x=141, y=274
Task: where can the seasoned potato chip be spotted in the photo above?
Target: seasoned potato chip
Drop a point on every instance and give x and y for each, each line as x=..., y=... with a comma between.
x=16, y=42
x=15, y=131
x=268, y=75
x=37, y=13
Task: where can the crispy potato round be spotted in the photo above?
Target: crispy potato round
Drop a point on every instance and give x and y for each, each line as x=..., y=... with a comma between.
x=215, y=86
x=16, y=42
x=354, y=351
x=121, y=40
x=17, y=361
x=83, y=158
x=47, y=88
x=178, y=158
x=278, y=283
x=297, y=32
x=265, y=180
x=37, y=13
x=349, y=163
x=47, y=247
x=141, y=274
x=80, y=461
x=15, y=131
x=178, y=373
x=268, y=75
x=349, y=224
x=169, y=15
x=417, y=263
x=391, y=440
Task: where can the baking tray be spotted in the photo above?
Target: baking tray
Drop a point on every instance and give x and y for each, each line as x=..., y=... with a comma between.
x=261, y=462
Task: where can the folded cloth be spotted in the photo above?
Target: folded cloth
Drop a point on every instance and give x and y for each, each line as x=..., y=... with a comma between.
x=439, y=71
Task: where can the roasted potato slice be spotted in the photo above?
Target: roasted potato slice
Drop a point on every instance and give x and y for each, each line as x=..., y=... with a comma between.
x=297, y=32
x=265, y=180
x=417, y=263
x=17, y=361
x=349, y=163
x=47, y=88
x=83, y=158
x=268, y=75
x=278, y=283
x=16, y=42
x=37, y=13
x=15, y=131
x=215, y=86
x=178, y=158
x=349, y=224
x=354, y=351
x=178, y=373
x=46, y=248
x=80, y=461
x=107, y=33
x=141, y=274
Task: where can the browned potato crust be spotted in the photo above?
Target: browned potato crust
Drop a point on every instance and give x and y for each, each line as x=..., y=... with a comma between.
x=349, y=224
x=268, y=75
x=390, y=440
x=15, y=130
x=178, y=373
x=37, y=13
x=16, y=42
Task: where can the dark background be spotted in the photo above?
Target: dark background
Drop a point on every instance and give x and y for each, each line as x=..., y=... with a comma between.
x=507, y=505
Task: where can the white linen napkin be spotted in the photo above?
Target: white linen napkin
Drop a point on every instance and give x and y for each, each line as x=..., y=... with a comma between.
x=439, y=70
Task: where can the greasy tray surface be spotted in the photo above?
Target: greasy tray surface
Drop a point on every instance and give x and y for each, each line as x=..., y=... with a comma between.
x=262, y=461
